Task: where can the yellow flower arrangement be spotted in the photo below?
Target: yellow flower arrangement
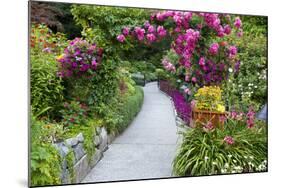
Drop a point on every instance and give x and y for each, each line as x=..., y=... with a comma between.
x=209, y=98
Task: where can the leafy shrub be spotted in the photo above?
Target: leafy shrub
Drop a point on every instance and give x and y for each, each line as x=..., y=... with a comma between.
x=45, y=159
x=129, y=108
x=74, y=114
x=249, y=87
x=235, y=149
x=42, y=39
x=46, y=87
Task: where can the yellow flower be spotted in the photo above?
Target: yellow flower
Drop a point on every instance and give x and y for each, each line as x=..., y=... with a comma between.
x=220, y=108
x=60, y=57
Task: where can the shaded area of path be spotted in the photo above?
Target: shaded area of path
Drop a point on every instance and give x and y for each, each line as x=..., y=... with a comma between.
x=146, y=148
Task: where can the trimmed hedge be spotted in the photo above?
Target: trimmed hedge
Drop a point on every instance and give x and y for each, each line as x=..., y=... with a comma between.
x=129, y=109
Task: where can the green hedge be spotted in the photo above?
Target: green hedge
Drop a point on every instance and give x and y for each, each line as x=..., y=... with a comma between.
x=129, y=109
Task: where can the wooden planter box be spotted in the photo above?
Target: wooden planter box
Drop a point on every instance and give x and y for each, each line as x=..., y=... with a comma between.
x=200, y=117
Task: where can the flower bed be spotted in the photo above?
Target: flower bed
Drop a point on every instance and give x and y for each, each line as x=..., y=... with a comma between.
x=182, y=107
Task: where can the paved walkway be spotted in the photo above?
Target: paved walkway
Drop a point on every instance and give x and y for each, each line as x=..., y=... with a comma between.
x=146, y=148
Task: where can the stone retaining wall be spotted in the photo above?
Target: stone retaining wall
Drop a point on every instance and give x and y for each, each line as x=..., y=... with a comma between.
x=82, y=164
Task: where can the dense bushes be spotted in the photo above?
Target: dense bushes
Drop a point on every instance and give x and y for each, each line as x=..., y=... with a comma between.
x=45, y=159
x=130, y=107
x=46, y=87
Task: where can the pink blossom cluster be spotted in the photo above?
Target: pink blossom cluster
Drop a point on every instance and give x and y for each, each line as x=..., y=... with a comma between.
x=188, y=42
x=185, y=45
x=229, y=140
x=149, y=33
x=79, y=58
x=236, y=115
x=168, y=65
x=250, y=118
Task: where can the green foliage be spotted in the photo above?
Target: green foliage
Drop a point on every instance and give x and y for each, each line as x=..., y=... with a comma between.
x=74, y=114
x=88, y=131
x=105, y=84
x=70, y=160
x=250, y=85
x=42, y=39
x=46, y=87
x=206, y=153
x=45, y=159
x=129, y=108
x=102, y=24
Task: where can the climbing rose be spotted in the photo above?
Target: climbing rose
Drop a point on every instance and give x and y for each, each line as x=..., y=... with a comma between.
x=140, y=33
x=214, y=48
x=237, y=22
x=232, y=51
x=121, y=38
x=227, y=29
x=240, y=33
x=229, y=140
x=161, y=31
x=202, y=61
x=151, y=29
x=126, y=31
x=150, y=37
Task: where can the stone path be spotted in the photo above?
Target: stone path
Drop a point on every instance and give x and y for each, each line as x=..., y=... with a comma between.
x=146, y=148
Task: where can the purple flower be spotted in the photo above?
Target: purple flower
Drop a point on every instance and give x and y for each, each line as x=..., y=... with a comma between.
x=74, y=64
x=227, y=29
x=232, y=51
x=150, y=37
x=240, y=33
x=237, y=22
x=214, y=48
x=126, y=31
x=151, y=29
x=237, y=66
x=121, y=38
x=161, y=31
x=140, y=33
x=146, y=24
x=202, y=61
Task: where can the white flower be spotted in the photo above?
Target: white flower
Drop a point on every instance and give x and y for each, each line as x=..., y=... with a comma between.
x=226, y=165
x=206, y=158
x=214, y=163
x=229, y=156
x=255, y=86
x=230, y=70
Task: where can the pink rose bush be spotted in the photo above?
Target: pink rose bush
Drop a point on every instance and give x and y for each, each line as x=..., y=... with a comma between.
x=79, y=58
x=199, y=40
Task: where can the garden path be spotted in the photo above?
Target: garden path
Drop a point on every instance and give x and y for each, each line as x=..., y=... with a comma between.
x=146, y=148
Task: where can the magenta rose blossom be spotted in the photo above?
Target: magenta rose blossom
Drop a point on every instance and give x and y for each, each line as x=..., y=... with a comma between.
x=237, y=22
x=202, y=61
x=151, y=29
x=161, y=31
x=150, y=37
x=214, y=48
x=121, y=38
x=126, y=31
x=227, y=29
x=140, y=33
x=232, y=50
